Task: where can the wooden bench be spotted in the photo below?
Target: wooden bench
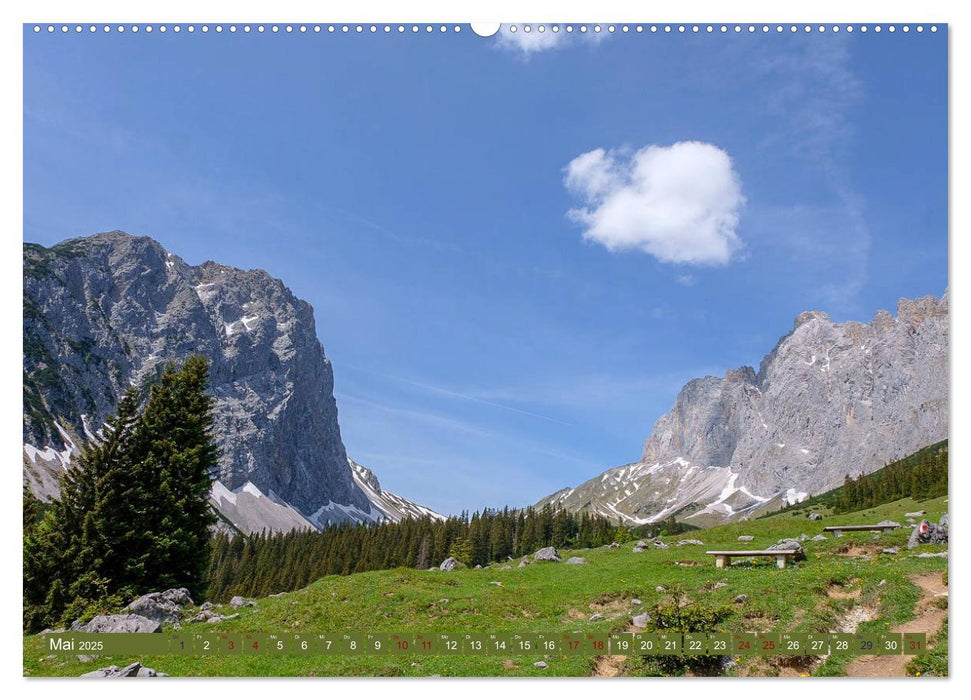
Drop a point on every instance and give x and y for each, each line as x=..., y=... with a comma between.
x=838, y=530
x=724, y=558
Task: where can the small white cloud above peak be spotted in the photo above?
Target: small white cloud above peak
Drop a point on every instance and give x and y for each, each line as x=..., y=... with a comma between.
x=678, y=203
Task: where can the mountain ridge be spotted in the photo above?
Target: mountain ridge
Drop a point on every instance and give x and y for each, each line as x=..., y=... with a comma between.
x=108, y=311
x=829, y=399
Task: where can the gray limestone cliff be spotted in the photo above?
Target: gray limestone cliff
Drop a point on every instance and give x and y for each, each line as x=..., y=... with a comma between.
x=830, y=399
x=108, y=311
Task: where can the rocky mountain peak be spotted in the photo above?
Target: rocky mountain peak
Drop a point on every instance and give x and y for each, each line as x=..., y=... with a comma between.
x=830, y=399
x=109, y=311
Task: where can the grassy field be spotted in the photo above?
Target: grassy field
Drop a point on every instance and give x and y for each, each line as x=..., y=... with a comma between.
x=844, y=582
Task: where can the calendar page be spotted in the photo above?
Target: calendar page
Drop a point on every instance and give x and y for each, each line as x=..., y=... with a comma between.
x=438, y=349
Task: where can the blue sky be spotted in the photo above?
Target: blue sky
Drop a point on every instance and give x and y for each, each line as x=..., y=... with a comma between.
x=517, y=253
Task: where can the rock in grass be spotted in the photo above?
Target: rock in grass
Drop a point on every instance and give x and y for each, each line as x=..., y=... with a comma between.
x=915, y=514
x=819, y=538
x=449, y=564
x=815, y=516
x=238, y=601
x=927, y=533
x=890, y=550
x=660, y=545
x=640, y=620
x=789, y=544
x=132, y=670
x=682, y=543
x=117, y=623
x=547, y=554
x=660, y=589
x=635, y=601
x=746, y=538
x=525, y=562
x=740, y=598
x=161, y=607
x=613, y=545
x=720, y=584
x=638, y=549
x=595, y=617
x=576, y=560
x=541, y=664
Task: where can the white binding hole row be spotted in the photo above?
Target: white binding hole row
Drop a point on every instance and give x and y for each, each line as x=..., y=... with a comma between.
x=443, y=29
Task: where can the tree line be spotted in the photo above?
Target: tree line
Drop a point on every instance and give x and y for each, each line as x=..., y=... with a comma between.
x=921, y=475
x=261, y=564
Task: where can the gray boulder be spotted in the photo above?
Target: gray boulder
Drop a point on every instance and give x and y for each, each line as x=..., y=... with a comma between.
x=132, y=670
x=819, y=538
x=547, y=554
x=640, y=620
x=789, y=544
x=890, y=550
x=815, y=516
x=117, y=623
x=613, y=545
x=576, y=560
x=927, y=532
x=682, y=543
x=524, y=563
x=746, y=538
x=162, y=607
x=449, y=564
x=595, y=617
x=660, y=589
x=916, y=514
x=638, y=549
x=930, y=555
x=660, y=545
x=740, y=598
x=238, y=601
x=635, y=601
x=540, y=664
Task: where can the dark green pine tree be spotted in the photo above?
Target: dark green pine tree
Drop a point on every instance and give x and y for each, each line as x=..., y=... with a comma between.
x=176, y=460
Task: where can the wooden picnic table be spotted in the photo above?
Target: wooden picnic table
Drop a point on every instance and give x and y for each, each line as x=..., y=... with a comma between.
x=724, y=557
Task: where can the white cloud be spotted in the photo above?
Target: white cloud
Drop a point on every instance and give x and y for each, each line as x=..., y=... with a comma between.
x=679, y=203
x=527, y=39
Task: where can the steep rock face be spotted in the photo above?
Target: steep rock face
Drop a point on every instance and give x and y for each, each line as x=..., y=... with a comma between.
x=829, y=400
x=109, y=311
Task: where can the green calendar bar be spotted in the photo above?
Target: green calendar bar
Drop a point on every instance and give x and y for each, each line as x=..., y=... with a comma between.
x=449, y=644
x=769, y=643
x=695, y=644
x=915, y=643
x=890, y=643
x=818, y=643
x=842, y=644
x=647, y=643
x=525, y=643
x=719, y=644
x=488, y=643
x=621, y=643
x=745, y=644
x=794, y=644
